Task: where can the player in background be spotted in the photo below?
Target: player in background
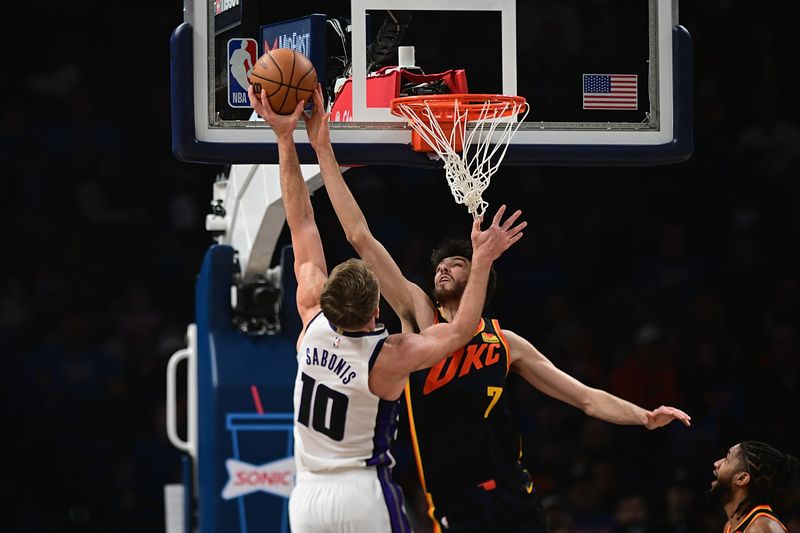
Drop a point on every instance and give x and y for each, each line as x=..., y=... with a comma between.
x=468, y=452
x=749, y=481
x=351, y=372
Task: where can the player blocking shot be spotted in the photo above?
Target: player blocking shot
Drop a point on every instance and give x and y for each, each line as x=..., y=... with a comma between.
x=467, y=447
x=351, y=371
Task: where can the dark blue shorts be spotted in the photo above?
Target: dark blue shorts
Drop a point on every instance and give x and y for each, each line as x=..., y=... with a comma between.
x=511, y=506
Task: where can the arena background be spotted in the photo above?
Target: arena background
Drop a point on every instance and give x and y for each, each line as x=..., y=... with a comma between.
x=676, y=285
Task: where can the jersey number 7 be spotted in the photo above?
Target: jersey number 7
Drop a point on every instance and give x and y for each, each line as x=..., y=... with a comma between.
x=493, y=393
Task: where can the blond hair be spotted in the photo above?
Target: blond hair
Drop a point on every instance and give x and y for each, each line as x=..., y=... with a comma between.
x=350, y=295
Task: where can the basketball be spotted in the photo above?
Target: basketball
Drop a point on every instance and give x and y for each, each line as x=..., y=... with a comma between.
x=287, y=77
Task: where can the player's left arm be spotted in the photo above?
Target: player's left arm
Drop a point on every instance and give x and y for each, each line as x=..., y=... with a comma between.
x=540, y=372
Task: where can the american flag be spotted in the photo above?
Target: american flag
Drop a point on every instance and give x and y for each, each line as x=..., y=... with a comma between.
x=610, y=91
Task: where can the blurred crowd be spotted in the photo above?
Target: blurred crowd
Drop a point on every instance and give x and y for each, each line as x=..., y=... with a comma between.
x=675, y=285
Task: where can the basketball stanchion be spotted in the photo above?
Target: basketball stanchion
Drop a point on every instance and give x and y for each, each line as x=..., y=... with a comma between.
x=470, y=133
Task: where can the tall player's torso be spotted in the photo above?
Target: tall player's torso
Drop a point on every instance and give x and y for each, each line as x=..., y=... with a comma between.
x=340, y=424
x=458, y=416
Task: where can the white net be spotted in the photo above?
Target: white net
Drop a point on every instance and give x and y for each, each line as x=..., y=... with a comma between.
x=485, y=141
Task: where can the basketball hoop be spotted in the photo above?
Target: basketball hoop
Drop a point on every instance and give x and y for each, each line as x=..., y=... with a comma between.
x=469, y=132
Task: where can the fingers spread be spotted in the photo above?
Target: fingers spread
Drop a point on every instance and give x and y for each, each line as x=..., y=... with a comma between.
x=298, y=109
x=476, y=224
x=318, y=97
x=519, y=227
x=507, y=224
x=254, y=102
x=499, y=215
x=260, y=103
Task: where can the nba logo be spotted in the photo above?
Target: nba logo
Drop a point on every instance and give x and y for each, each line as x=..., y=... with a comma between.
x=242, y=56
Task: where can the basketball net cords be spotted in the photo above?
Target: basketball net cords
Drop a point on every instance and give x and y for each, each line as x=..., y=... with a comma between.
x=468, y=174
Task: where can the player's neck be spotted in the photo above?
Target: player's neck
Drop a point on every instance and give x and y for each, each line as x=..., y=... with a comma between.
x=735, y=516
x=448, y=309
x=369, y=327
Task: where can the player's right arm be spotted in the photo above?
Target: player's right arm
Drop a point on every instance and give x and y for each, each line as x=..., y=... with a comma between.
x=408, y=300
x=405, y=353
x=309, y=259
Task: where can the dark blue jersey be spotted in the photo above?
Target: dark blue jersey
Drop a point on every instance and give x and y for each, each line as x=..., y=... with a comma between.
x=462, y=432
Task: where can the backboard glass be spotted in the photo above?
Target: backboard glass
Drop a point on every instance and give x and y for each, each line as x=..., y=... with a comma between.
x=563, y=56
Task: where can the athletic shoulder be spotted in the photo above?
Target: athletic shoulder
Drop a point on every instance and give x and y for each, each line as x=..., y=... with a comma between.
x=766, y=524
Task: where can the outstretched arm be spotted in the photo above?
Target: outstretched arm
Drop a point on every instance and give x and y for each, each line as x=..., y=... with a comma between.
x=309, y=258
x=406, y=353
x=540, y=372
x=409, y=301
x=442, y=339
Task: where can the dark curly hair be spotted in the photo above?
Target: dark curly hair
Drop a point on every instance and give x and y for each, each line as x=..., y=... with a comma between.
x=772, y=474
x=462, y=248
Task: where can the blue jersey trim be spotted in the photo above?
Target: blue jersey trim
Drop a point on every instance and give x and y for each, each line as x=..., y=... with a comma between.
x=375, y=352
x=379, y=329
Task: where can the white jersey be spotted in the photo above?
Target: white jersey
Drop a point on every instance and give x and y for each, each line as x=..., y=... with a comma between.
x=339, y=423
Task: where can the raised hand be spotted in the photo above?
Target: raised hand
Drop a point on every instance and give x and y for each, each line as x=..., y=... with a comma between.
x=319, y=133
x=664, y=415
x=497, y=238
x=282, y=125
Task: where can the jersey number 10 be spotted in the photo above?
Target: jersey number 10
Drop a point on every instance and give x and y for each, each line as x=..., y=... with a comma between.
x=330, y=408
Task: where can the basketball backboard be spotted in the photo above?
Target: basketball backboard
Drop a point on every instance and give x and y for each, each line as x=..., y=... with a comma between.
x=566, y=57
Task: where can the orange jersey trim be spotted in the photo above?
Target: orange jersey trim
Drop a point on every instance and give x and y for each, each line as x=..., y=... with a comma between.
x=505, y=343
x=481, y=325
x=756, y=513
x=503, y=339
x=418, y=457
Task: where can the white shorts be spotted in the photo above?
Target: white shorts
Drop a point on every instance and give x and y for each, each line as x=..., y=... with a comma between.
x=354, y=501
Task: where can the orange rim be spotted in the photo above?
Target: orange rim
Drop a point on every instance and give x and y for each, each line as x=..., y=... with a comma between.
x=442, y=105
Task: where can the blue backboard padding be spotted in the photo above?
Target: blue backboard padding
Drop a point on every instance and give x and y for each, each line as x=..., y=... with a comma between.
x=186, y=147
x=229, y=362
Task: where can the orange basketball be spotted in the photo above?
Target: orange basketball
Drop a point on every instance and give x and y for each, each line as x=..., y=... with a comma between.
x=287, y=76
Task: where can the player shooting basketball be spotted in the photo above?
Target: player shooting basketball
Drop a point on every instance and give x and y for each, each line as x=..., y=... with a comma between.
x=467, y=450
x=351, y=372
